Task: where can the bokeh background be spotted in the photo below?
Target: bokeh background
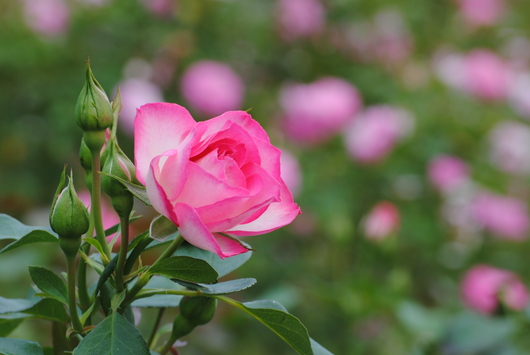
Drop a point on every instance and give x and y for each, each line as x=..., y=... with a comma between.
x=404, y=126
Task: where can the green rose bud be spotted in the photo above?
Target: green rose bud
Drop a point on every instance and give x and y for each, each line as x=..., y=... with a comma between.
x=93, y=112
x=198, y=310
x=118, y=164
x=68, y=216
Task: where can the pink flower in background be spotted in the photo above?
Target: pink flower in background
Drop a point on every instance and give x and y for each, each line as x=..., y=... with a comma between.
x=315, y=112
x=504, y=216
x=135, y=93
x=484, y=287
x=382, y=221
x=47, y=17
x=486, y=75
x=290, y=172
x=375, y=131
x=109, y=216
x=217, y=176
x=93, y=2
x=481, y=12
x=300, y=18
x=510, y=147
x=162, y=8
x=212, y=87
x=447, y=172
x=519, y=95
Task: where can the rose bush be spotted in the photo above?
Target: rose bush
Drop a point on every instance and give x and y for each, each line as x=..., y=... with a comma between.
x=217, y=176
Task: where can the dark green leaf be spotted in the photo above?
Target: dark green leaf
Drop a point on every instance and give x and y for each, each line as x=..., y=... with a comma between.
x=49, y=283
x=185, y=268
x=10, y=322
x=10, y=228
x=19, y=347
x=16, y=305
x=162, y=228
x=48, y=308
x=160, y=301
x=137, y=190
x=222, y=266
x=113, y=336
x=106, y=273
x=221, y=288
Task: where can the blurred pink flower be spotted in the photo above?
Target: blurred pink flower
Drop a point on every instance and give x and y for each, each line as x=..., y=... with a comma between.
x=47, y=17
x=300, y=18
x=487, y=76
x=135, y=93
x=504, y=216
x=162, y=8
x=109, y=216
x=375, y=131
x=481, y=12
x=212, y=87
x=93, y=2
x=447, y=172
x=519, y=95
x=315, y=112
x=382, y=221
x=483, y=287
x=510, y=147
x=290, y=172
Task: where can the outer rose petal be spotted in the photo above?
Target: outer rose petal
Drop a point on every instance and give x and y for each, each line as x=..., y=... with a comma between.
x=242, y=119
x=195, y=232
x=158, y=128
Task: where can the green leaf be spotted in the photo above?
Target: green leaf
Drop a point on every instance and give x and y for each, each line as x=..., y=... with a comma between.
x=221, y=288
x=162, y=228
x=49, y=283
x=160, y=301
x=10, y=322
x=11, y=229
x=113, y=336
x=48, y=308
x=319, y=349
x=137, y=190
x=8, y=305
x=19, y=347
x=222, y=266
x=185, y=268
x=107, y=272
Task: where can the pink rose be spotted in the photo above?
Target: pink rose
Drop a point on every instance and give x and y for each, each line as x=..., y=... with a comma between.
x=510, y=147
x=212, y=87
x=217, y=176
x=315, y=112
x=501, y=215
x=374, y=132
x=484, y=287
x=481, y=12
x=447, y=172
x=299, y=18
x=382, y=221
x=162, y=8
x=47, y=17
x=290, y=172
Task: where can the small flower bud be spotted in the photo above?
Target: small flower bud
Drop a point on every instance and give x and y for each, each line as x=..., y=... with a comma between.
x=198, y=310
x=118, y=164
x=68, y=216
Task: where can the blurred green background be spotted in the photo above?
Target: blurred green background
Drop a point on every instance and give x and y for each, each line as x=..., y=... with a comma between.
x=356, y=296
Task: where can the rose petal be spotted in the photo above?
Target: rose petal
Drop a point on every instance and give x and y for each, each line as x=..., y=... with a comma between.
x=242, y=119
x=158, y=128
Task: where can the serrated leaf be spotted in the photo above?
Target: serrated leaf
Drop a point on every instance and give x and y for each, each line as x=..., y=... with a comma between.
x=162, y=228
x=49, y=283
x=160, y=301
x=19, y=347
x=185, y=268
x=137, y=190
x=113, y=336
x=222, y=266
x=48, y=308
x=221, y=288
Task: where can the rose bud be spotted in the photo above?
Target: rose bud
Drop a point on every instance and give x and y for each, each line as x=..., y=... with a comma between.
x=198, y=310
x=68, y=217
x=93, y=112
x=118, y=164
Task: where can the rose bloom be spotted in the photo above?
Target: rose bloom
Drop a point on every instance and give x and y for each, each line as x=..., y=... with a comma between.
x=481, y=12
x=217, y=176
x=47, y=17
x=212, y=87
x=315, y=112
x=502, y=215
x=299, y=18
x=447, y=172
x=290, y=172
x=510, y=147
x=382, y=221
x=374, y=132
x=484, y=287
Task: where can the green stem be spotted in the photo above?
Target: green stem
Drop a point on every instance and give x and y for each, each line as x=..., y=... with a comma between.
x=136, y=252
x=122, y=257
x=155, y=327
x=95, y=208
x=144, y=278
x=167, y=346
x=72, y=304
